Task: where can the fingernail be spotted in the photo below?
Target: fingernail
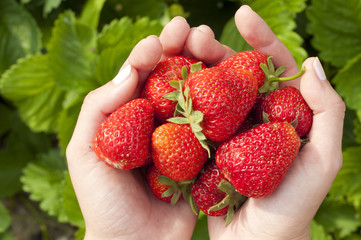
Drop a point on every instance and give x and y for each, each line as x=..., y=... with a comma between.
x=319, y=69
x=122, y=75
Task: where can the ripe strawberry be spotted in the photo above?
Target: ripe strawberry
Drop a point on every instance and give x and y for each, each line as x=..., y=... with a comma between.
x=176, y=151
x=256, y=161
x=155, y=185
x=247, y=60
x=157, y=84
x=205, y=190
x=287, y=105
x=224, y=97
x=123, y=139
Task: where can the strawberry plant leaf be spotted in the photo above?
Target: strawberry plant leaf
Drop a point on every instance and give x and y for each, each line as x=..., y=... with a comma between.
x=280, y=16
x=29, y=85
x=20, y=34
x=173, y=96
x=350, y=90
x=318, y=232
x=91, y=12
x=115, y=42
x=335, y=27
x=351, y=174
x=45, y=182
x=337, y=216
x=5, y=218
x=71, y=54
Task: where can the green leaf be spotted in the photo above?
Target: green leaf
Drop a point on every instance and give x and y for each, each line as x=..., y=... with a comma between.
x=151, y=8
x=178, y=120
x=173, y=96
x=350, y=173
x=20, y=35
x=347, y=83
x=71, y=54
x=44, y=181
x=91, y=13
x=29, y=85
x=117, y=40
x=67, y=121
x=279, y=15
x=5, y=218
x=50, y=5
x=337, y=216
x=335, y=26
x=318, y=232
x=110, y=61
x=125, y=32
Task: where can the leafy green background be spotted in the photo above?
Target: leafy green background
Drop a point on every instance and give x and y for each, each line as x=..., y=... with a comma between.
x=53, y=52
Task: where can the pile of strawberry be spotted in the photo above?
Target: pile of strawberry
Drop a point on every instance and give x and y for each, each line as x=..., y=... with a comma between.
x=212, y=136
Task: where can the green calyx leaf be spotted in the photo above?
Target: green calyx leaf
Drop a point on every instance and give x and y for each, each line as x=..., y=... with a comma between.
x=233, y=199
x=178, y=188
x=184, y=106
x=272, y=76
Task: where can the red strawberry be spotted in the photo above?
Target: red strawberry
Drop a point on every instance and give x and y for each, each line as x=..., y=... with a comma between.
x=157, y=84
x=176, y=151
x=256, y=161
x=224, y=96
x=155, y=185
x=205, y=190
x=288, y=105
x=248, y=60
x=123, y=139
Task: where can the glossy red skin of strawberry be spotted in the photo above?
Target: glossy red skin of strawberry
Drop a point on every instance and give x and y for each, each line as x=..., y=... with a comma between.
x=176, y=151
x=256, y=161
x=157, y=84
x=155, y=186
x=123, y=139
x=247, y=60
x=205, y=190
x=284, y=105
x=225, y=97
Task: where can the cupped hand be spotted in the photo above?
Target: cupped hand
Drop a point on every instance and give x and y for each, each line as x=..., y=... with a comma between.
x=287, y=213
x=116, y=204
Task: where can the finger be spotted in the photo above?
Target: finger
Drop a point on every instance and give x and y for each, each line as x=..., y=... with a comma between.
x=99, y=103
x=328, y=109
x=202, y=46
x=173, y=37
x=319, y=160
x=144, y=57
x=259, y=35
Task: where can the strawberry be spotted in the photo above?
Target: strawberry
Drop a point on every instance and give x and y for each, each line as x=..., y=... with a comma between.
x=176, y=151
x=288, y=105
x=224, y=97
x=123, y=139
x=256, y=161
x=214, y=195
x=205, y=190
x=155, y=185
x=157, y=84
x=247, y=60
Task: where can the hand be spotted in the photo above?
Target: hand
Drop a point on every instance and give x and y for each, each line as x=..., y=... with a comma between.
x=287, y=212
x=116, y=204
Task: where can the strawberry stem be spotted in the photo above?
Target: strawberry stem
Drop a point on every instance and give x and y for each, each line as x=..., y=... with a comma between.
x=272, y=76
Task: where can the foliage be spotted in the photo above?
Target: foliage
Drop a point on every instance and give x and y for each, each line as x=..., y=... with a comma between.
x=52, y=53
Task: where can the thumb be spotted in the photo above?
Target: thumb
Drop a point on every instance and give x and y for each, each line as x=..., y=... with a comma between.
x=328, y=109
x=99, y=103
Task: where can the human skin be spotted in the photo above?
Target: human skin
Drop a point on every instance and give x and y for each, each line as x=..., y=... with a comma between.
x=116, y=204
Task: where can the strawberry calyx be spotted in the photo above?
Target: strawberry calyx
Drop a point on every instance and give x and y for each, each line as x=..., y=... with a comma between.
x=272, y=74
x=233, y=199
x=184, y=106
x=177, y=189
